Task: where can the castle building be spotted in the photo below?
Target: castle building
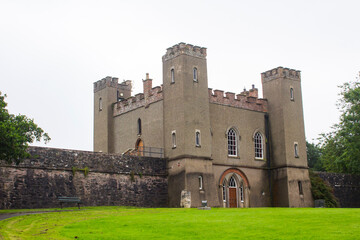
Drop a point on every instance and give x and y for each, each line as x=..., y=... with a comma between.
x=232, y=150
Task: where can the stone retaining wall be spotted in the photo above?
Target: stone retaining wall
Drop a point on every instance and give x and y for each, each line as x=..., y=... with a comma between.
x=346, y=188
x=112, y=180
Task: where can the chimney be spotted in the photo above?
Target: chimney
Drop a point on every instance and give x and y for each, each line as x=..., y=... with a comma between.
x=147, y=83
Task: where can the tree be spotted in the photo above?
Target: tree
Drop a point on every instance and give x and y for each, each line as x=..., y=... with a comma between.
x=313, y=156
x=16, y=132
x=341, y=147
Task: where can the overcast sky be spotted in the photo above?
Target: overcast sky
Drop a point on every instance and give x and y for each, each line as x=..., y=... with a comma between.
x=51, y=52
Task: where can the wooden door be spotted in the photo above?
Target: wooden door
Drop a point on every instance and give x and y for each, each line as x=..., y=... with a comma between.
x=140, y=148
x=232, y=198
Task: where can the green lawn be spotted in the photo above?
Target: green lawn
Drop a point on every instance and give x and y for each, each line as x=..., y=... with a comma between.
x=165, y=223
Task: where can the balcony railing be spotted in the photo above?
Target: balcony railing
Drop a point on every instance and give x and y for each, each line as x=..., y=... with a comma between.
x=145, y=152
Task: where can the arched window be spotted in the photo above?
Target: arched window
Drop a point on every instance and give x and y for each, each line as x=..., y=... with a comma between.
x=296, y=150
x=195, y=74
x=173, y=139
x=139, y=126
x=197, y=138
x=259, y=149
x=232, y=142
x=232, y=182
x=172, y=76
x=291, y=94
x=100, y=104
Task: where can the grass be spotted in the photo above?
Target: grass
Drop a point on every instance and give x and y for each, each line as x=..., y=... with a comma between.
x=165, y=223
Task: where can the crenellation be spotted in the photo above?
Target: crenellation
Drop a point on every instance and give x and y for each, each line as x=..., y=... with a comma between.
x=183, y=48
x=105, y=82
x=280, y=72
x=230, y=96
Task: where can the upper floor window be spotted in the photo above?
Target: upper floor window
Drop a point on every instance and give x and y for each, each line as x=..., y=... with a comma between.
x=291, y=94
x=232, y=142
x=195, y=74
x=197, y=138
x=296, y=150
x=173, y=139
x=139, y=126
x=172, y=73
x=100, y=104
x=258, y=141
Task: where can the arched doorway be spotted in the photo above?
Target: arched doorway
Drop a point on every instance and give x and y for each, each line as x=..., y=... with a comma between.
x=139, y=147
x=235, y=189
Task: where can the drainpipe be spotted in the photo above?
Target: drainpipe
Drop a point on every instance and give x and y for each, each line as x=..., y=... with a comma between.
x=267, y=138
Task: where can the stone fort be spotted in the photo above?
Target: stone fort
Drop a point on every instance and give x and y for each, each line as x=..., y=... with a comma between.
x=232, y=150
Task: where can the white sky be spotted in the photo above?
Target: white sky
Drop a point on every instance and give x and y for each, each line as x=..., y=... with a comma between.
x=51, y=52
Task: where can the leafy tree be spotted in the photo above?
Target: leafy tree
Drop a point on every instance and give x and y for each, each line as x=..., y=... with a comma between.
x=16, y=132
x=313, y=156
x=341, y=147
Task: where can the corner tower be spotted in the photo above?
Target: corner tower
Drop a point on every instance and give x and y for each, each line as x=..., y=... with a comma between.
x=187, y=136
x=106, y=92
x=290, y=176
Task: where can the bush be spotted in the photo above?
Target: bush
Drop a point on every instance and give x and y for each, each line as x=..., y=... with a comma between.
x=321, y=190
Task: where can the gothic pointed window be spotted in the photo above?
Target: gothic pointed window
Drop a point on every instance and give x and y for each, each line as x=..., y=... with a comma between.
x=296, y=150
x=224, y=191
x=242, y=193
x=232, y=182
x=173, y=139
x=259, y=149
x=232, y=142
x=197, y=138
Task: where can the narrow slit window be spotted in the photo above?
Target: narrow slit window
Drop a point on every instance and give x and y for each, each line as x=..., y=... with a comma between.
x=296, y=150
x=195, y=74
x=200, y=182
x=100, y=104
x=291, y=94
x=242, y=193
x=172, y=76
x=173, y=139
x=197, y=138
x=300, y=188
x=139, y=126
x=224, y=191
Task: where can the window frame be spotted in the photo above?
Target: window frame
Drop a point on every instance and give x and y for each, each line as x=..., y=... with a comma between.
x=173, y=139
x=172, y=76
x=195, y=74
x=197, y=138
x=260, y=145
x=296, y=149
x=234, y=146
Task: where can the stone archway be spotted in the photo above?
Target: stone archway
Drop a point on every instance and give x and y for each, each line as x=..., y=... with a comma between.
x=235, y=188
x=139, y=147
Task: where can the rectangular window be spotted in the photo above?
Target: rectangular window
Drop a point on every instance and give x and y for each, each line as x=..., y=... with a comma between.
x=172, y=76
x=300, y=188
x=200, y=182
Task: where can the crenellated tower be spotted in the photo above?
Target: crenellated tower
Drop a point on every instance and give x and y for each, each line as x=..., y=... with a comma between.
x=187, y=135
x=106, y=92
x=290, y=177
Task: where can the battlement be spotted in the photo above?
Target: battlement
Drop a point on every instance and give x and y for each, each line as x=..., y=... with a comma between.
x=150, y=95
x=106, y=82
x=245, y=100
x=280, y=72
x=183, y=48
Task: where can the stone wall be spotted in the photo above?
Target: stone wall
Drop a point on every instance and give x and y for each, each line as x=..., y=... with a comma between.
x=346, y=188
x=112, y=180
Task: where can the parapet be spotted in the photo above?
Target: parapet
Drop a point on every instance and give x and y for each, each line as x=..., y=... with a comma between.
x=150, y=95
x=106, y=82
x=186, y=49
x=280, y=72
x=245, y=100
